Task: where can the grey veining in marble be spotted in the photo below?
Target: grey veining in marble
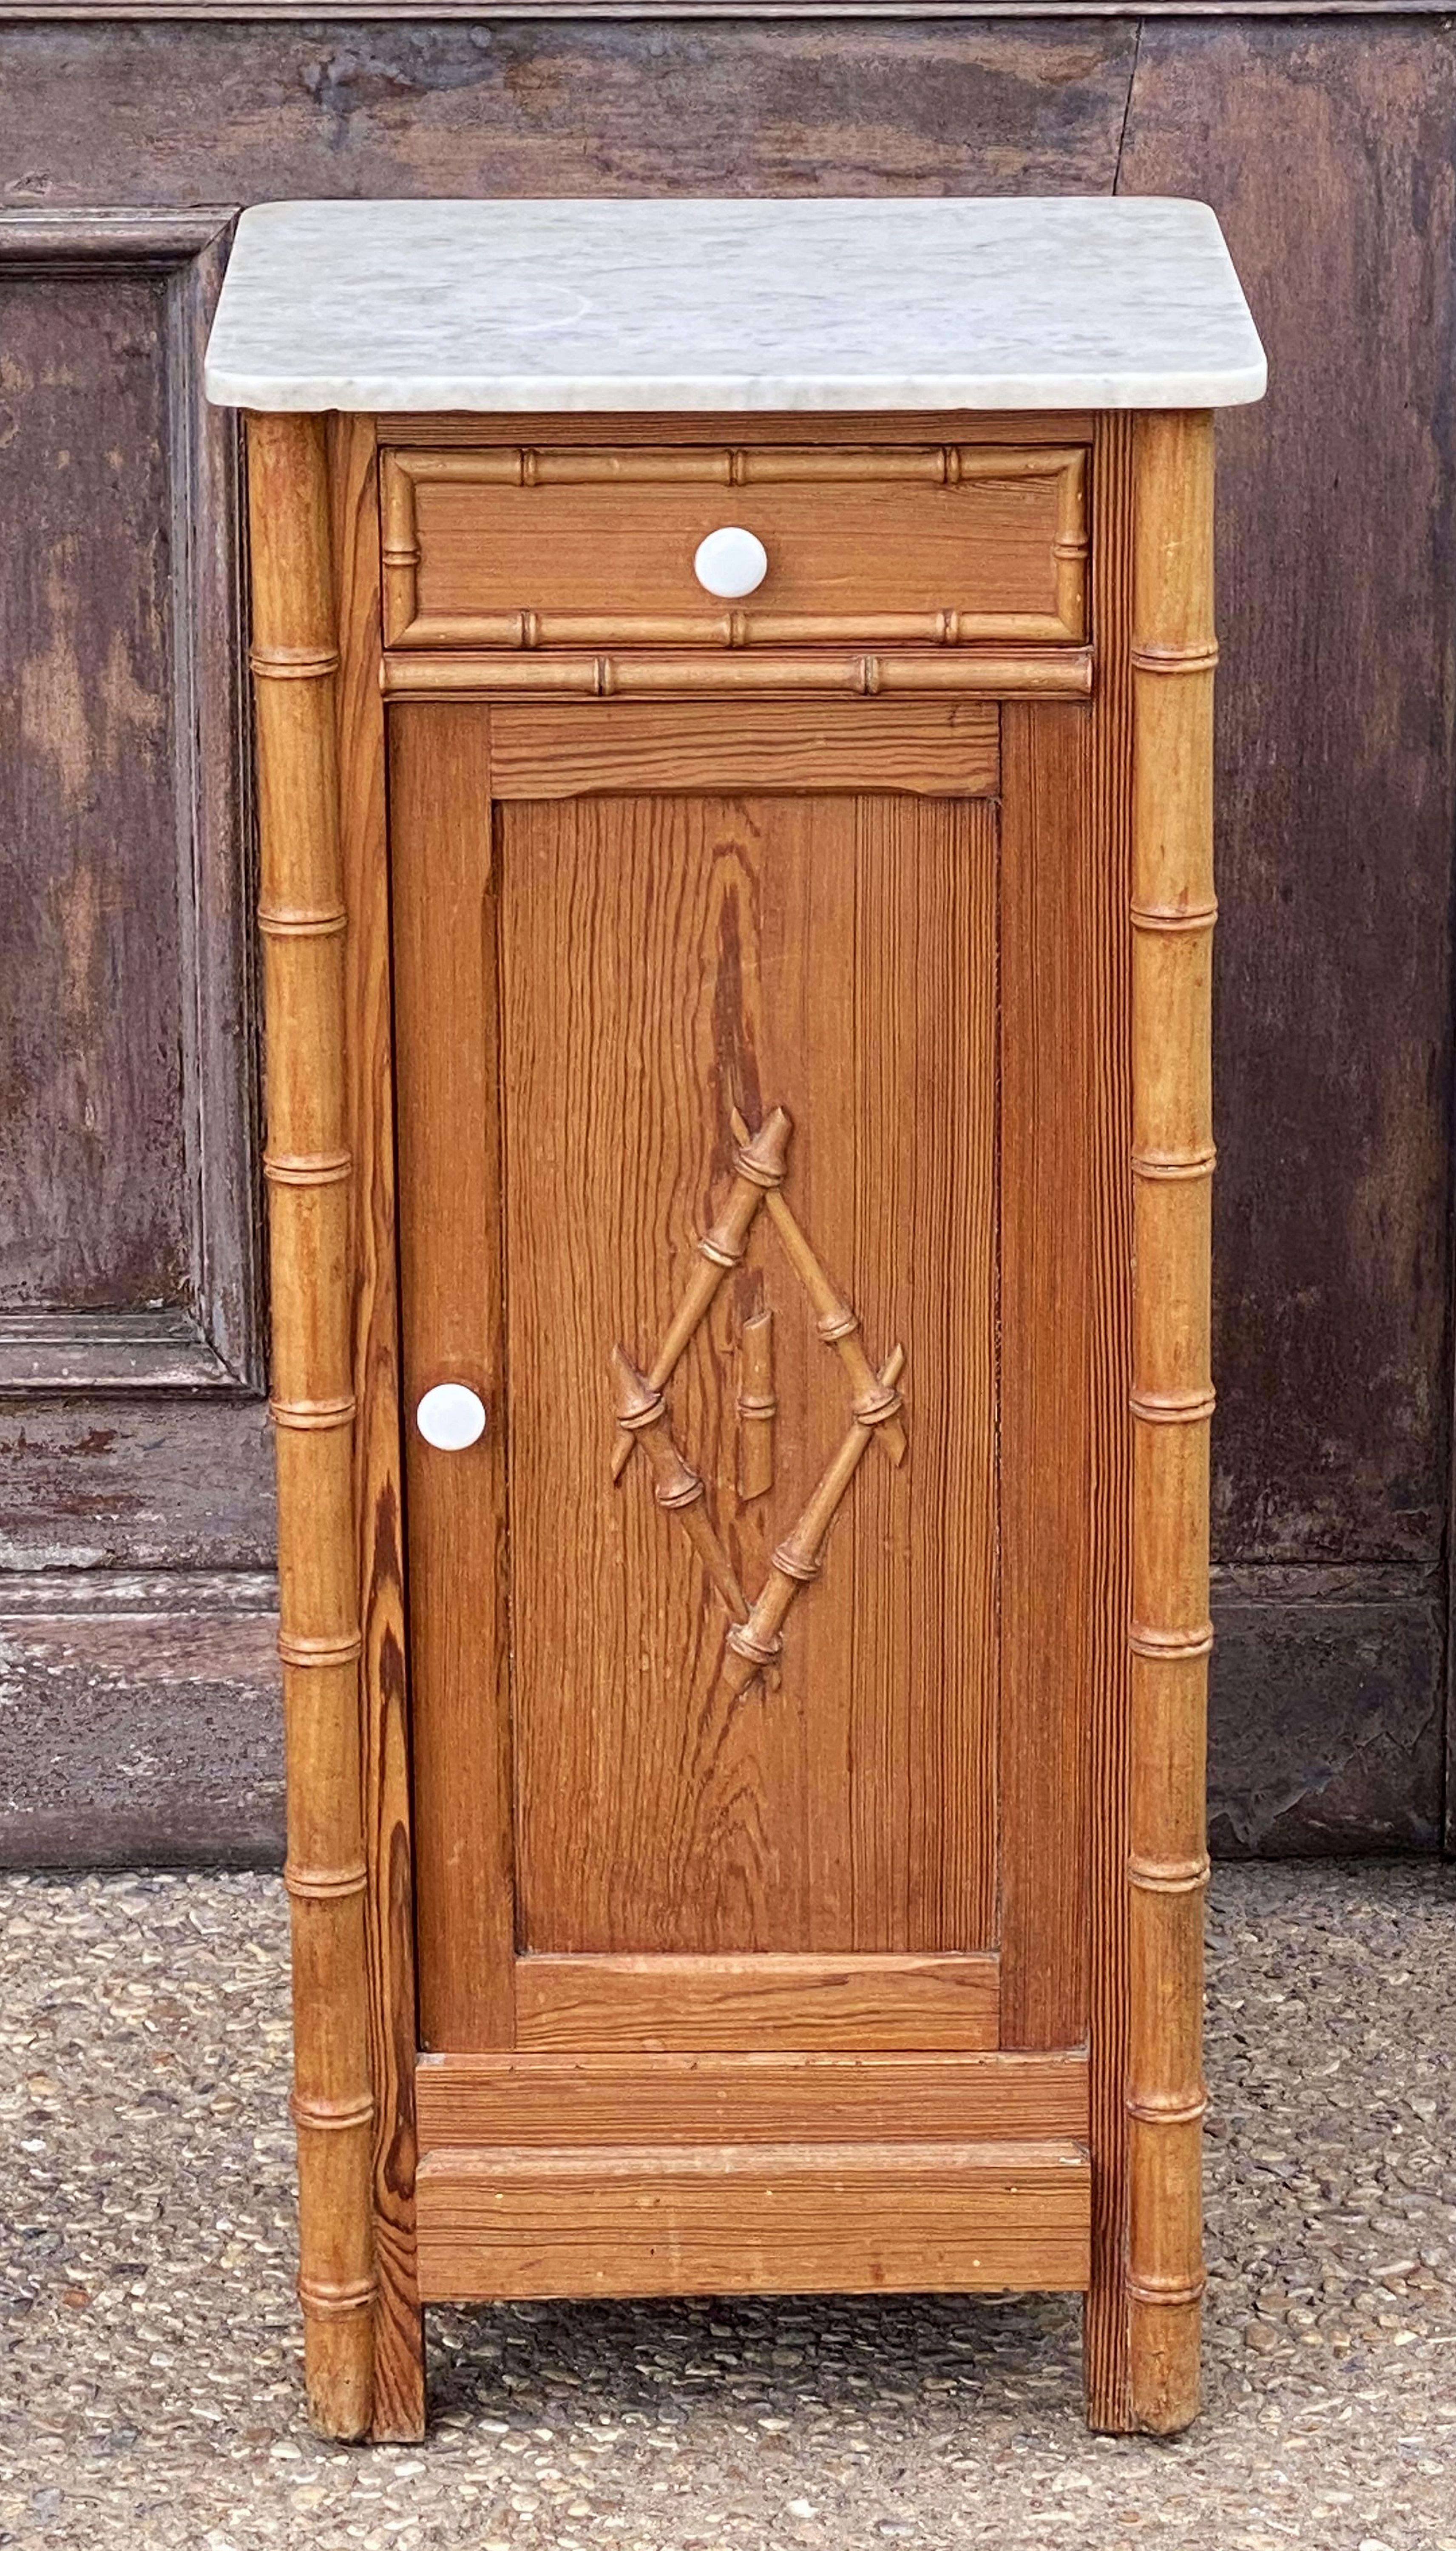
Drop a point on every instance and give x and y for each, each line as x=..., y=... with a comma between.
x=811, y=303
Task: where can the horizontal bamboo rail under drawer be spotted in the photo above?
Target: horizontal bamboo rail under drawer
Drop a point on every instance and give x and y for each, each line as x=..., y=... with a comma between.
x=1009, y=674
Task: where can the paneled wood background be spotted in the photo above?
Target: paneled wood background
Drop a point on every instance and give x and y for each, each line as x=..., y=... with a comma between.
x=137, y=1526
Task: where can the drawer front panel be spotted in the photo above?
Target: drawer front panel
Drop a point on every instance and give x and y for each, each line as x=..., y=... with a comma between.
x=944, y=545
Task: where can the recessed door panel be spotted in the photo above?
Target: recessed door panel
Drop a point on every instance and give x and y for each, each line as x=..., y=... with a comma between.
x=760, y=1715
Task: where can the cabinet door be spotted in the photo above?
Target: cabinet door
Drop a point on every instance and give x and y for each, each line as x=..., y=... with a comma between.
x=720, y=1186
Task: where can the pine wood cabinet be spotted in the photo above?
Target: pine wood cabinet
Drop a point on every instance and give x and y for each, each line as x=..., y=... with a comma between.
x=751, y=1057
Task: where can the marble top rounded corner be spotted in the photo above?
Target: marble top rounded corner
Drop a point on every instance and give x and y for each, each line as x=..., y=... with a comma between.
x=757, y=305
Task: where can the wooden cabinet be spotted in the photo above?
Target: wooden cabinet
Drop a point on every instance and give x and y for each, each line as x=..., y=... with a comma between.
x=753, y=1061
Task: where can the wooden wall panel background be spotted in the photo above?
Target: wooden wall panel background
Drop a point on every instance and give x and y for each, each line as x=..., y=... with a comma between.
x=91, y=1151
x=1326, y=146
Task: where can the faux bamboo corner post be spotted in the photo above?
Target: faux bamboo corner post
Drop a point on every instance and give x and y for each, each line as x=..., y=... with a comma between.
x=1173, y=913
x=307, y=1162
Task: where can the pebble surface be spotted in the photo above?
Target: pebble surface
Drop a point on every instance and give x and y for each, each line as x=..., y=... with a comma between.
x=151, y=2390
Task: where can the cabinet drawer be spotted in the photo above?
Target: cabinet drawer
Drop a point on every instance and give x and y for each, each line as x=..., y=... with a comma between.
x=935, y=546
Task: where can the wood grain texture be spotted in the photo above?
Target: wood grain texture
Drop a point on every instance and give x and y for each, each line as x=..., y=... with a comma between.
x=1048, y=1309
x=308, y=1166
x=452, y=1305
x=196, y=114
x=94, y=1147
x=102, y=1477
x=758, y=2218
x=665, y=962
x=662, y=2004
x=50, y=1352
x=942, y=544
x=1106, y=2330
x=152, y=1706
x=925, y=748
x=130, y=1141
x=1323, y=155
x=399, y=2388
x=752, y=2097
x=420, y=431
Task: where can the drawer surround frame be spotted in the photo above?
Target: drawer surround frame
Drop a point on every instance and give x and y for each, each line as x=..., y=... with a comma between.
x=319, y=662
x=818, y=466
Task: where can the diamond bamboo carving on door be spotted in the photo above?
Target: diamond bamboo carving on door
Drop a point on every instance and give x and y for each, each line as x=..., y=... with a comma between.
x=754, y=1639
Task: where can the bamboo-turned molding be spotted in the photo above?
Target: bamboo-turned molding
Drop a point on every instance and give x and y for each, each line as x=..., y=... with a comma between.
x=757, y=1406
x=1173, y=910
x=307, y=1162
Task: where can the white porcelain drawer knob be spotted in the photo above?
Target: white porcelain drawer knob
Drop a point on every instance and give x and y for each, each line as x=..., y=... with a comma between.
x=451, y=1416
x=730, y=562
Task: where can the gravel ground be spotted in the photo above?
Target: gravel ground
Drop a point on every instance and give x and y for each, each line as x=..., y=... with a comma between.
x=150, y=2392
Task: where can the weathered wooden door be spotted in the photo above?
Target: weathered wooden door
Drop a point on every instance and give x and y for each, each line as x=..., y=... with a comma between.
x=703, y=1141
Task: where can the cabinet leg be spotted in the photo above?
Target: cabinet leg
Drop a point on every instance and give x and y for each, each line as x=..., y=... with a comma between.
x=308, y=1167
x=1172, y=911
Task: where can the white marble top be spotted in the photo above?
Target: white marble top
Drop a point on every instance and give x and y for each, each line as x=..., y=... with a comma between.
x=805, y=303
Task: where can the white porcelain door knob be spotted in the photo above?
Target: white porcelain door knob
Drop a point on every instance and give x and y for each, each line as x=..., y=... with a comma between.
x=451, y=1416
x=730, y=562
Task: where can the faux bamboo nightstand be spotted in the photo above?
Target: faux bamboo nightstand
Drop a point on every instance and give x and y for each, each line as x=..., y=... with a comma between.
x=734, y=706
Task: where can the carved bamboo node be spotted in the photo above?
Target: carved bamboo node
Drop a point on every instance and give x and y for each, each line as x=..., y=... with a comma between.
x=1169, y=2111
x=637, y=1404
x=1174, y=920
x=839, y=1323
x=1144, y=2289
x=1073, y=547
x=948, y=628
x=801, y=1565
x=312, y=1416
x=1167, y=1167
x=277, y=924
x=331, y=2116
x=758, y=1406
x=683, y=1487
x=869, y=676
x=877, y=1406
x=755, y=1648
x=1159, y=1645
x=321, y=1886
x=400, y=553
x=950, y=466
x=336, y=2303
x=320, y=1652
x=1198, y=658
x=1173, y=1408
x=719, y=1250
x=763, y=1160
x=306, y=1168
x=1169, y=1876
x=293, y=663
